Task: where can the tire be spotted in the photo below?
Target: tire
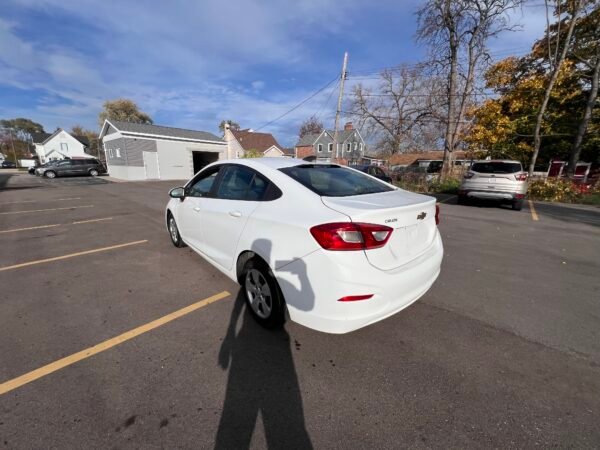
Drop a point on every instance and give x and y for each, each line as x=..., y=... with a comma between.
x=93, y=173
x=462, y=200
x=174, y=232
x=262, y=294
x=517, y=205
x=50, y=174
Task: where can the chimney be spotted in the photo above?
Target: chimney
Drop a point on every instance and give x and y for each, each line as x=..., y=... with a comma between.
x=348, y=126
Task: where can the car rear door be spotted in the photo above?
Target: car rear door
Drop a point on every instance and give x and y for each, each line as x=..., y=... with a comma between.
x=225, y=214
x=495, y=176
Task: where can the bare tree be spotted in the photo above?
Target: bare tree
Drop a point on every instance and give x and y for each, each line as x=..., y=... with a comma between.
x=401, y=111
x=573, y=8
x=312, y=125
x=457, y=32
x=586, y=51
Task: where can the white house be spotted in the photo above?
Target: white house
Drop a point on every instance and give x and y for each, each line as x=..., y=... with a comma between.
x=59, y=145
x=136, y=151
x=241, y=141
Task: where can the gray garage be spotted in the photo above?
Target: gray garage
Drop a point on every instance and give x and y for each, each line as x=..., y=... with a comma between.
x=136, y=151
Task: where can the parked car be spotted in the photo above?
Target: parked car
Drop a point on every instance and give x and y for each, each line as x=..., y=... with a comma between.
x=65, y=167
x=32, y=169
x=6, y=164
x=374, y=171
x=335, y=248
x=501, y=180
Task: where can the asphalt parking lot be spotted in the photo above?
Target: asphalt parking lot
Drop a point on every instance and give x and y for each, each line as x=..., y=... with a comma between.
x=97, y=349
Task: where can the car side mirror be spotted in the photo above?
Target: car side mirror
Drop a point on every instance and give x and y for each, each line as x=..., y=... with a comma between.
x=177, y=192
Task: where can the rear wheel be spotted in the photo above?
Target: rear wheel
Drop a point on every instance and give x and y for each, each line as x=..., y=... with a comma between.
x=174, y=232
x=262, y=294
x=94, y=172
x=517, y=205
x=462, y=200
x=50, y=174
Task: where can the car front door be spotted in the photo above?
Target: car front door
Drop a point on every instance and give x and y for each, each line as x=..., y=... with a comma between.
x=189, y=210
x=225, y=214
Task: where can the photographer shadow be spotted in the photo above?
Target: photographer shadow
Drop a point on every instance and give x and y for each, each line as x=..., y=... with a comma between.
x=262, y=379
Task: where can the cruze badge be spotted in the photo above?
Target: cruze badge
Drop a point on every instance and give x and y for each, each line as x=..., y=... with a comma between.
x=421, y=216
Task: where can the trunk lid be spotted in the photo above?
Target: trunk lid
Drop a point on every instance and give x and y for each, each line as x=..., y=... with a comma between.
x=412, y=217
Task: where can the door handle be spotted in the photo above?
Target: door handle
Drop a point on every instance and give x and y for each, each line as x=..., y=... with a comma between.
x=197, y=209
x=235, y=214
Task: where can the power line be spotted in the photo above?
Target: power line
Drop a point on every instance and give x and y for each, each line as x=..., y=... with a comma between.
x=298, y=105
x=324, y=106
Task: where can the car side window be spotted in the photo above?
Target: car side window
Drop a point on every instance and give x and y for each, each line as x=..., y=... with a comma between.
x=63, y=163
x=243, y=183
x=201, y=186
x=235, y=183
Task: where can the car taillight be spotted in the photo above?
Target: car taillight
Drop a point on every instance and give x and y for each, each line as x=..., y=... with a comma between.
x=351, y=235
x=469, y=175
x=437, y=214
x=520, y=176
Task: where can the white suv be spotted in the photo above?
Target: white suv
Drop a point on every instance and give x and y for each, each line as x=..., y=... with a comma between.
x=502, y=180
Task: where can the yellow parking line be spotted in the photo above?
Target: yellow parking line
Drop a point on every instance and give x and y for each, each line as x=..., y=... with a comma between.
x=42, y=201
x=49, y=209
x=534, y=215
x=30, y=228
x=72, y=255
x=91, y=220
x=15, y=383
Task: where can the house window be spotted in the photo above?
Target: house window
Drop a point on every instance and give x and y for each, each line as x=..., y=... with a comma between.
x=118, y=152
x=320, y=148
x=348, y=147
x=64, y=147
x=360, y=146
x=330, y=147
x=355, y=145
x=110, y=152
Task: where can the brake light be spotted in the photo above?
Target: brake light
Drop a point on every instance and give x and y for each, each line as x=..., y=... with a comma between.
x=520, y=176
x=354, y=298
x=351, y=235
x=469, y=175
x=437, y=214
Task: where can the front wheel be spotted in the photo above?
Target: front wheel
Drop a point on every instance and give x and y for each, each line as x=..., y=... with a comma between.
x=49, y=174
x=94, y=172
x=262, y=294
x=174, y=232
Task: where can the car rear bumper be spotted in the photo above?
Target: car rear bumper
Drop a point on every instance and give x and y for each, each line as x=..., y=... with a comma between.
x=493, y=195
x=312, y=286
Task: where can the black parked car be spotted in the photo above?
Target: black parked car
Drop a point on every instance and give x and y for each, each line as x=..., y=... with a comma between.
x=8, y=164
x=374, y=171
x=65, y=167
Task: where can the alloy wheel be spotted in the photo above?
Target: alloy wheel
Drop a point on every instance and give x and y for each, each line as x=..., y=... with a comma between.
x=258, y=293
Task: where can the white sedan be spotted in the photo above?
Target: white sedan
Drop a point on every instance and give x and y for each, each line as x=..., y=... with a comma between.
x=333, y=248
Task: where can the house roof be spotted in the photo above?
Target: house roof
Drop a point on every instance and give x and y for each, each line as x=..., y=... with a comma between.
x=38, y=138
x=289, y=151
x=41, y=138
x=406, y=159
x=309, y=139
x=162, y=131
x=250, y=140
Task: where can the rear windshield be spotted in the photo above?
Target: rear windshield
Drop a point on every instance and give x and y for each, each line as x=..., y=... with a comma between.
x=496, y=167
x=335, y=181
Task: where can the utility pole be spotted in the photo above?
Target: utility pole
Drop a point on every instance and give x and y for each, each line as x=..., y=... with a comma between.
x=12, y=144
x=339, y=106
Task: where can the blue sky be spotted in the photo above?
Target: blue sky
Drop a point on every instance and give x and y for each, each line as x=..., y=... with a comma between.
x=192, y=63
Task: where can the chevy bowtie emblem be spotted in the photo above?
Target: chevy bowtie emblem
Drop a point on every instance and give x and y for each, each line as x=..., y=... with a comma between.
x=421, y=216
